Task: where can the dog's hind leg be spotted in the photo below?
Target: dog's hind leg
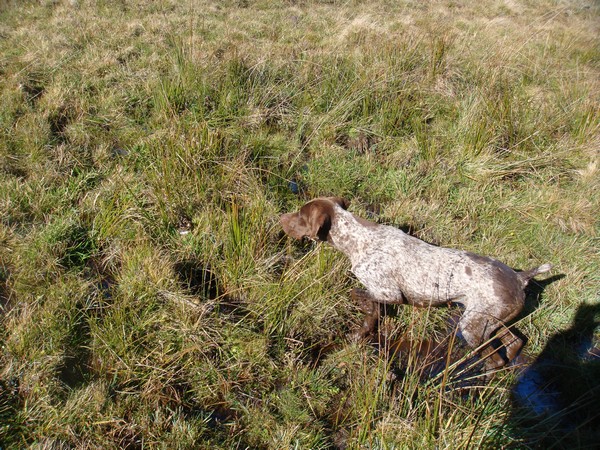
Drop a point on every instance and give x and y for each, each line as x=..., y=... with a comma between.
x=480, y=327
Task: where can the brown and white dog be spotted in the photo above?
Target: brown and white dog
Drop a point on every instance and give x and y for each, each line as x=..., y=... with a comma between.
x=398, y=268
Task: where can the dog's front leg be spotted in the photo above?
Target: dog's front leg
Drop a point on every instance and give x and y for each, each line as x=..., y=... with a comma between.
x=370, y=307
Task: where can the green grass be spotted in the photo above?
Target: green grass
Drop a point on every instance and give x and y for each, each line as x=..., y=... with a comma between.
x=148, y=295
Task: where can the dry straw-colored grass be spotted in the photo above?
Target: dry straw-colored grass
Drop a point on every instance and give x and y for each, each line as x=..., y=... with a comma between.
x=148, y=296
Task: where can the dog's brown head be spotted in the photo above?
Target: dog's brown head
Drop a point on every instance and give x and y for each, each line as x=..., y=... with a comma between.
x=313, y=220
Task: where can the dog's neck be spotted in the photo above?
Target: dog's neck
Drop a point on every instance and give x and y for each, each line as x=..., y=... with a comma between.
x=349, y=233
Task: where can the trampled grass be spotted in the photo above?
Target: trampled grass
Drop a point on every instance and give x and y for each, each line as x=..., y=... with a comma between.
x=148, y=295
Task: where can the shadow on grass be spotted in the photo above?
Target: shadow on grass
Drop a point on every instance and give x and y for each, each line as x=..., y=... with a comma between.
x=555, y=399
x=74, y=371
x=76, y=367
x=534, y=291
x=58, y=121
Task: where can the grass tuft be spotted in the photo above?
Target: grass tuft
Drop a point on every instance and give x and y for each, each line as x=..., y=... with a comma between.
x=148, y=296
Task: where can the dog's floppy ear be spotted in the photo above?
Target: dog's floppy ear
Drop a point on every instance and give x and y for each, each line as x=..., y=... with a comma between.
x=313, y=220
x=318, y=219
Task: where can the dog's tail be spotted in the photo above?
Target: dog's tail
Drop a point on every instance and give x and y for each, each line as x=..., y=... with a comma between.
x=527, y=275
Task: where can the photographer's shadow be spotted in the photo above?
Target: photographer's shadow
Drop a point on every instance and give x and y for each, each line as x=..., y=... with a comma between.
x=556, y=400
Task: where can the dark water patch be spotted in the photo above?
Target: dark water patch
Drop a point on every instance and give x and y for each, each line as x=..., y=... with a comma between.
x=221, y=414
x=294, y=186
x=556, y=398
x=105, y=286
x=536, y=392
x=198, y=279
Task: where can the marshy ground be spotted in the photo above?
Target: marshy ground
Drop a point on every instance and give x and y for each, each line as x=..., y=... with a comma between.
x=148, y=296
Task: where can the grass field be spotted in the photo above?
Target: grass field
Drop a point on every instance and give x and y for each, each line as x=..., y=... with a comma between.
x=148, y=295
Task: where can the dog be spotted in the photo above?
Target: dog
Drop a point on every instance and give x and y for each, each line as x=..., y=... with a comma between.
x=397, y=268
